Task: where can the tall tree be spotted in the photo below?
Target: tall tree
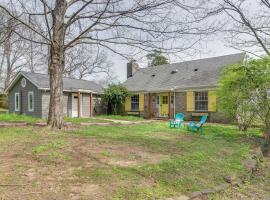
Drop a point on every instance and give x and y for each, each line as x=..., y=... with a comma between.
x=121, y=26
x=234, y=96
x=156, y=58
x=244, y=91
x=12, y=50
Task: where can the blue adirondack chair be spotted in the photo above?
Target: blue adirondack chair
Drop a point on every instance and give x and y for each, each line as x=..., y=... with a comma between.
x=197, y=126
x=177, y=122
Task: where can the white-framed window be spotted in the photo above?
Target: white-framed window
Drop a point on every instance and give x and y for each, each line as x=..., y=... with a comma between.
x=17, y=102
x=135, y=102
x=30, y=101
x=23, y=82
x=201, y=101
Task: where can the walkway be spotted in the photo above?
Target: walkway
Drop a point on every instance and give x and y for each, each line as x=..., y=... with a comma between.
x=120, y=121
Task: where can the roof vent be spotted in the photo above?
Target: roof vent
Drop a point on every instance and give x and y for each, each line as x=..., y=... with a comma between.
x=174, y=71
x=153, y=75
x=195, y=70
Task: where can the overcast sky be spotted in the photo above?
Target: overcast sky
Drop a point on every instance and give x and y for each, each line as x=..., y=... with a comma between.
x=214, y=46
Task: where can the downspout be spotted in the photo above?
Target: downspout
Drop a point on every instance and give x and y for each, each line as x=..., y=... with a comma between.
x=173, y=89
x=174, y=102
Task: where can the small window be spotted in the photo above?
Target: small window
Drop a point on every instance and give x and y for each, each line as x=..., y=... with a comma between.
x=164, y=99
x=23, y=82
x=17, y=102
x=30, y=101
x=135, y=102
x=201, y=101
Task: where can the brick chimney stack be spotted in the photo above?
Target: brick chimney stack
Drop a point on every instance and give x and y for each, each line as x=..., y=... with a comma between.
x=132, y=68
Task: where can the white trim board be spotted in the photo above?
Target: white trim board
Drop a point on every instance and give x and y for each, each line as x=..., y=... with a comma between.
x=19, y=102
x=33, y=101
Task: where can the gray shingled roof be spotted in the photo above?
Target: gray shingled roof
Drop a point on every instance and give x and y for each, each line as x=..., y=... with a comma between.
x=42, y=82
x=161, y=78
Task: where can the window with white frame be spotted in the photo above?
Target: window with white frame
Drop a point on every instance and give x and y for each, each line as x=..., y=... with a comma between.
x=135, y=102
x=17, y=102
x=23, y=82
x=31, y=101
x=201, y=101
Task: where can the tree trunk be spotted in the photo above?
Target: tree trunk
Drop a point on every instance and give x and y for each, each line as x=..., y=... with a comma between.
x=7, y=47
x=2, y=64
x=109, y=108
x=266, y=145
x=56, y=66
x=267, y=133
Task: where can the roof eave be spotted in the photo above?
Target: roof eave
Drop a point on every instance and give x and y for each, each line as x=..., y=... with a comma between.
x=178, y=89
x=74, y=90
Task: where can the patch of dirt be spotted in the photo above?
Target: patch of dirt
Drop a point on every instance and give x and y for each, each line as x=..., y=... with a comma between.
x=122, y=163
x=29, y=178
x=114, y=153
x=89, y=191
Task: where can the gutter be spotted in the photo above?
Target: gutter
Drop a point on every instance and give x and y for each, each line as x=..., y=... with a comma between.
x=179, y=89
x=71, y=90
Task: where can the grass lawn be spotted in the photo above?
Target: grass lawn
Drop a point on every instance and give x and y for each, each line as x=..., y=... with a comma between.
x=79, y=120
x=120, y=117
x=5, y=117
x=149, y=161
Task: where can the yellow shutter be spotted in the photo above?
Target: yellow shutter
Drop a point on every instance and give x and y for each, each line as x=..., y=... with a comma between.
x=212, y=101
x=190, y=101
x=141, y=102
x=128, y=104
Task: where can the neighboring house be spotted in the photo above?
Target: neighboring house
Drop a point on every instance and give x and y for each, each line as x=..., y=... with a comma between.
x=188, y=87
x=29, y=93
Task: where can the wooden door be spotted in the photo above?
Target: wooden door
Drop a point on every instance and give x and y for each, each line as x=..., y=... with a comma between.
x=164, y=105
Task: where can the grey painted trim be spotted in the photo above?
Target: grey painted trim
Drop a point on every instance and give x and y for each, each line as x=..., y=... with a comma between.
x=15, y=80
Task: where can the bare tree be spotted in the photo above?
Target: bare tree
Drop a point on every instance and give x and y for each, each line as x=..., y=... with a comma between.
x=13, y=50
x=84, y=61
x=247, y=24
x=110, y=24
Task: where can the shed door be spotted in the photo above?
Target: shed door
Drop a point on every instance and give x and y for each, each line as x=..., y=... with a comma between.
x=75, y=105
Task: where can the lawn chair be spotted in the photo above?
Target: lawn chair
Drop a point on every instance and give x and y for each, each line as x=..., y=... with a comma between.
x=177, y=122
x=197, y=126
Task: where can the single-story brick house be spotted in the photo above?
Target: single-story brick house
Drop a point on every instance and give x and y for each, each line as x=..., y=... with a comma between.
x=188, y=87
x=29, y=93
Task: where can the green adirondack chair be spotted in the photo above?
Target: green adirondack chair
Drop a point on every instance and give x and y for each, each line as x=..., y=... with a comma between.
x=177, y=121
x=197, y=126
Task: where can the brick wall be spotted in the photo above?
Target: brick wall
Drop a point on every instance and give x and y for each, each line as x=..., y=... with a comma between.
x=181, y=106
